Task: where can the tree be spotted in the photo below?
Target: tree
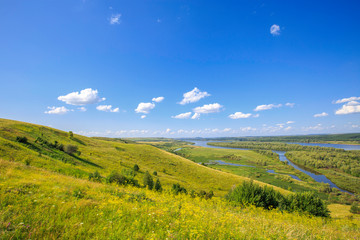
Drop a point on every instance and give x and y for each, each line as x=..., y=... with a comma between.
x=148, y=181
x=71, y=134
x=136, y=168
x=70, y=149
x=158, y=187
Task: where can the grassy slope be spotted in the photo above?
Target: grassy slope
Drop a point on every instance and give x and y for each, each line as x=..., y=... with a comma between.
x=40, y=204
x=105, y=156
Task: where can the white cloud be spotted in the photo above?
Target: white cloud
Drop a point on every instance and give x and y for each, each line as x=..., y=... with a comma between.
x=349, y=108
x=316, y=127
x=86, y=96
x=239, y=115
x=256, y=115
x=167, y=130
x=290, y=104
x=267, y=107
x=107, y=108
x=193, y=96
x=208, y=108
x=227, y=130
x=323, y=114
x=288, y=128
x=115, y=19
x=144, y=107
x=275, y=30
x=290, y=122
x=183, y=115
x=143, y=116
x=82, y=109
x=344, y=100
x=158, y=99
x=196, y=116
x=247, y=129
x=57, y=110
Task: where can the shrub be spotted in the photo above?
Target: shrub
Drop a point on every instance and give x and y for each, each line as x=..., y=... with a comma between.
x=22, y=139
x=71, y=134
x=136, y=168
x=117, y=178
x=355, y=208
x=70, y=149
x=155, y=173
x=176, y=189
x=209, y=195
x=27, y=161
x=252, y=194
x=78, y=193
x=307, y=203
x=158, y=186
x=148, y=181
x=96, y=177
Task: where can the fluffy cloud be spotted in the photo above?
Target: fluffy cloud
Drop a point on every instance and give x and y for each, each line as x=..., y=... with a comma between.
x=267, y=107
x=115, y=19
x=183, y=115
x=158, y=99
x=144, y=107
x=275, y=30
x=57, y=110
x=193, y=96
x=143, y=116
x=196, y=116
x=239, y=115
x=349, y=108
x=323, y=114
x=344, y=100
x=208, y=108
x=107, y=108
x=290, y=122
x=290, y=104
x=86, y=96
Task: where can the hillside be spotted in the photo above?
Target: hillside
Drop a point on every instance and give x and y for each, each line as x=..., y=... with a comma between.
x=45, y=193
x=105, y=156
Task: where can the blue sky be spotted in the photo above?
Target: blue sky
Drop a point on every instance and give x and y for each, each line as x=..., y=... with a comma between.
x=246, y=67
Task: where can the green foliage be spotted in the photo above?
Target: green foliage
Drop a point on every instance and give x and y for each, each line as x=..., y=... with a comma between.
x=22, y=139
x=306, y=202
x=176, y=189
x=70, y=149
x=95, y=176
x=136, y=168
x=27, y=161
x=250, y=193
x=148, y=181
x=120, y=179
x=79, y=193
x=355, y=208
x=158, y=186
x=71, y=134
x=155, y=173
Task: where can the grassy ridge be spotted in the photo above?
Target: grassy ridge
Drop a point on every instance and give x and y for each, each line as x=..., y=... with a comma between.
x=107, y=155
x=40, y=204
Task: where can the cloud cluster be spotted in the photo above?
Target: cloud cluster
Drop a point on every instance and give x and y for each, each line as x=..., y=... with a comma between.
x=344, y=100
x=158, y=99
x=208, y=108
x=86, y=96
x=266, y=107
x=186, y=115
x=275, y=30
x=107, y=108
x=349, y=108
x=145, y=107
x=193, y=96
x=239, y=115
x=57, y=110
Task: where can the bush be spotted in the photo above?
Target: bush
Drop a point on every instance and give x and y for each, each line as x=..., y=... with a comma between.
x=70, y=149
x=148, y=181
x=78, y=193
x=155, y=173
x=27, y=161
x=355, y=208
x=176, y=189
x=252, y=194
x=158, y=186
x=117, y=178
x=96, y=177
x=22, y=139
x=307, y=203
x=136, y=168
x=71, y=134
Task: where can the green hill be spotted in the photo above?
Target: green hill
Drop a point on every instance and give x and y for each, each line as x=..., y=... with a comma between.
x=45, y=194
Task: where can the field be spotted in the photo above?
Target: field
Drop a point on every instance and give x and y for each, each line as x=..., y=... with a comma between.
x=45, y=193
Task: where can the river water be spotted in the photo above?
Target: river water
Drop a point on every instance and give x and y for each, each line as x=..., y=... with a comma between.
x=282, y=157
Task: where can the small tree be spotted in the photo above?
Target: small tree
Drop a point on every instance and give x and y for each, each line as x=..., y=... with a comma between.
x=158, y=187
x=136, y=168
x=70, y=149
x=155, y=173
x=71, y=134
x=21, y=139
x=148, y=181
x=176, y=188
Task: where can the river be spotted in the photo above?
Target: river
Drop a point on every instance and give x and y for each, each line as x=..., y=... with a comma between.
x=282, y=157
